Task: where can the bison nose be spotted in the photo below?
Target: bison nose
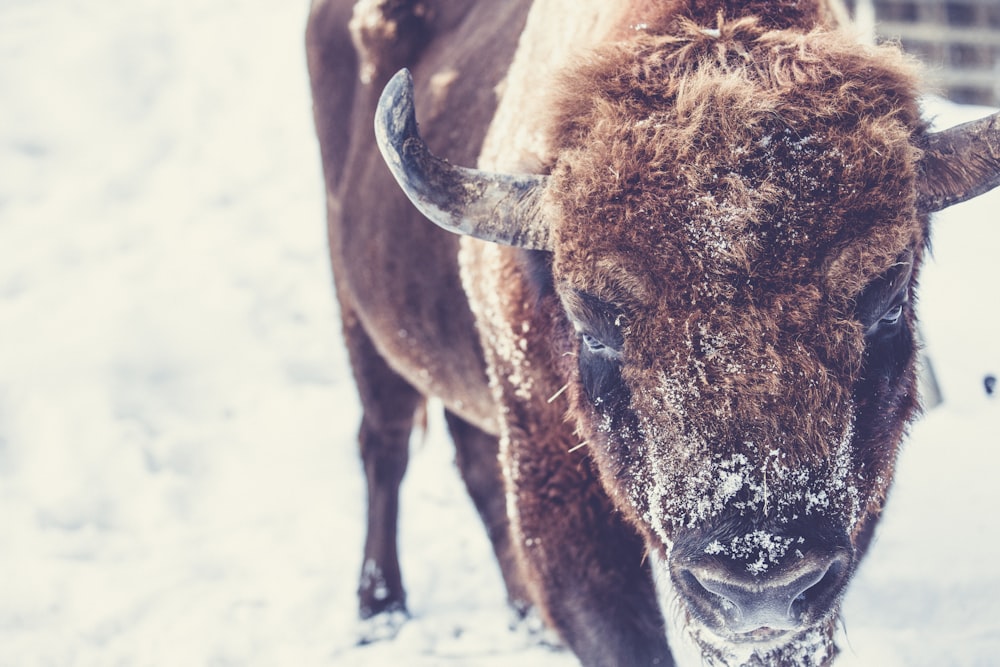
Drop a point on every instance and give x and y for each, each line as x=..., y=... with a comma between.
x=787, y=599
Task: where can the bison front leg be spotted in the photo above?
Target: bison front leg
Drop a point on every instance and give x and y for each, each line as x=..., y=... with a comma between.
x=586, y=568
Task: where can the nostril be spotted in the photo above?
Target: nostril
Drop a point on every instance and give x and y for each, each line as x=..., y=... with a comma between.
x=814, y=595
x=715, y=596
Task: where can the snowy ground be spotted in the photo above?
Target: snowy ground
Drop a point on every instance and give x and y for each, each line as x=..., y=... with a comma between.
x=178, y=479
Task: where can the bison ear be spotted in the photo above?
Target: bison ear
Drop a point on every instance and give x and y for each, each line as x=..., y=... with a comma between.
x=959, y=163
x=500, y=208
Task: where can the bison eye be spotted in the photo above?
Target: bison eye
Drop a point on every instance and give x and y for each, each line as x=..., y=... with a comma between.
x=888, y=322
x=595, y=346
x=881, y=305
x=600, y=364
x=892, y=316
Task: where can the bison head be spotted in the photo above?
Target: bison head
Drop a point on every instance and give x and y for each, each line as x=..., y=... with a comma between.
x=735, y=219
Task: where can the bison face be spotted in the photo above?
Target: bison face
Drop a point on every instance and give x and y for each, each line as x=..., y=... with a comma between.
x=750, y=443
x=736, y=251
x=746, y=355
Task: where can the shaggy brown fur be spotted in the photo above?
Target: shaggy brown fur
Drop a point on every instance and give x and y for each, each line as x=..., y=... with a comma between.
x=732, y=195
x=661, y=16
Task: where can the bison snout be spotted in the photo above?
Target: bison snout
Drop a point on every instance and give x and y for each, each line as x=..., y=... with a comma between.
x=757, y=607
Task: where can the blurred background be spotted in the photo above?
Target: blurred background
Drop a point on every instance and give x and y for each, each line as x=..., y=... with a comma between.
x=959, y=41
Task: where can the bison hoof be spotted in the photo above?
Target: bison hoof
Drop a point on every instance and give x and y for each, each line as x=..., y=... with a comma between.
x=382, y=626
x=526, y=622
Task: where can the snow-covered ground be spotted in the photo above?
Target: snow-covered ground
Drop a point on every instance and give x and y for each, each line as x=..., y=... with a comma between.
x=178, y=474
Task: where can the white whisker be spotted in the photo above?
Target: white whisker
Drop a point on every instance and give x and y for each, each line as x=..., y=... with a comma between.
x=558, y=393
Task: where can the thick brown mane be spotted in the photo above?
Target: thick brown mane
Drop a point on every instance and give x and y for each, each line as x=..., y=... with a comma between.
x=808, y=127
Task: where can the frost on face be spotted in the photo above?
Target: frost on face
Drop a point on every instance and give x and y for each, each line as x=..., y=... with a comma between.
x=685, y=480
x=759, y=549
x=713, y=228
x=813, y=648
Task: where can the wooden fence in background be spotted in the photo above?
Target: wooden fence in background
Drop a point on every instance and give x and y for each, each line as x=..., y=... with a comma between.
x=958, y=40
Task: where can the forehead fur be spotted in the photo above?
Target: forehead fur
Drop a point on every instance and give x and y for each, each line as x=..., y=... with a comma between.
x=748, y=156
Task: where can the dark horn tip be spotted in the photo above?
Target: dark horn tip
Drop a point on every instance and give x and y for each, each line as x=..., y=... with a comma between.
x=395, y=118
x=399, y=88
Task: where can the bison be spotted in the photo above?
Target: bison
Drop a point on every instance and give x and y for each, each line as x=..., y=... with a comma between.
x=670, y=313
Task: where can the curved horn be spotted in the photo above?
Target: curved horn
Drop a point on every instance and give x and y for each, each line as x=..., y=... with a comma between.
x=493, y=207
x=959, y=163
